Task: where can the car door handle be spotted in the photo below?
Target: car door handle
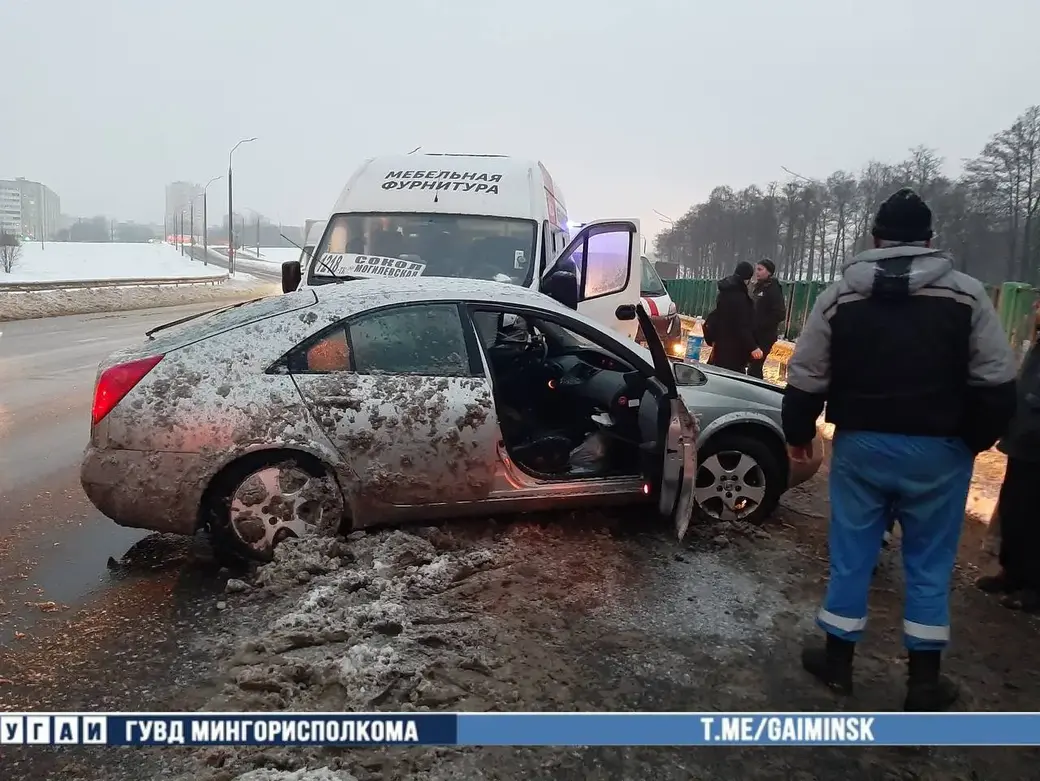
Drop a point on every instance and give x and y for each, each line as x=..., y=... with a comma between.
x=625, y=312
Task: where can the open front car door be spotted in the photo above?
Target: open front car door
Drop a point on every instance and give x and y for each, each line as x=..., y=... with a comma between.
x=669, y=436
x=605, y=256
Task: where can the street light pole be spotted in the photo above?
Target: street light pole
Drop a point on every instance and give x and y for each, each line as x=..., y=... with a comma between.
x=192, y=228
x=230, y=206
x=205, y=221
x=180, y=233
x=665, y=218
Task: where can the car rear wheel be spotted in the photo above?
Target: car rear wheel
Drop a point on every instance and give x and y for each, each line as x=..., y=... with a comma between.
x=738, y=479
x=263, y=502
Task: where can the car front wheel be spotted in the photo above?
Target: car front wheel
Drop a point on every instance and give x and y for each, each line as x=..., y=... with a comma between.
x=262, y=503
x=739, y=478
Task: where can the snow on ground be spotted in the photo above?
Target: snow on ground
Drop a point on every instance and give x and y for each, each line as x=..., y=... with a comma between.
x=276, y=255
x=583, y=611
x=65, y=261
x=481, y=616
x=74, y=261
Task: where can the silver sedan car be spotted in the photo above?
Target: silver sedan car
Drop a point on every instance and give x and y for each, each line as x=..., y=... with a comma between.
x=390, y=400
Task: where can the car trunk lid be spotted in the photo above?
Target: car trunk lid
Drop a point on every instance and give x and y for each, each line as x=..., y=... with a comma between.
x=186, y=331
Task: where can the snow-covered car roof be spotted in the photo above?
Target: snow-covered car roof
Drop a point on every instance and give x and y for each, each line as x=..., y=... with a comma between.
x=358, y=295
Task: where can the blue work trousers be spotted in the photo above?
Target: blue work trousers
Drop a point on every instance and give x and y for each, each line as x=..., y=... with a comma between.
x=922, y=481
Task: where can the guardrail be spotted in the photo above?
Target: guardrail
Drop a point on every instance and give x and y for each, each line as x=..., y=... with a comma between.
x=82, y=284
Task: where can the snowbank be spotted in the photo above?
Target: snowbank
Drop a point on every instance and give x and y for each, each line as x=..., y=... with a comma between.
x=248, y=262
x=56, y=261
x=479, y=616
x=53, y=303
x=275, y=255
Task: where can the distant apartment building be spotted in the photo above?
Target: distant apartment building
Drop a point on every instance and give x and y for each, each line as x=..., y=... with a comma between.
x=179, y=196
x=10, y=211
x=29, y=209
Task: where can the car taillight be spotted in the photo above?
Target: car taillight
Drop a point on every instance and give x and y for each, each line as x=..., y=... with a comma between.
x=117, y=381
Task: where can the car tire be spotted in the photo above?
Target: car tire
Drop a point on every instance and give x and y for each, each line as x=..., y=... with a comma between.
x=736, y=467
x=262, y=499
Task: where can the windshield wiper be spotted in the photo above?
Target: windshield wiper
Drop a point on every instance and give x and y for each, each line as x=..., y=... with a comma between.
x=164, y=326
x=311, y=257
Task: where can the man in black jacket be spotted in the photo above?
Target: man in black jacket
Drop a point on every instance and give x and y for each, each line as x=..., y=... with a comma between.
x=728, y=327
x=770, y=313
x=918, y=377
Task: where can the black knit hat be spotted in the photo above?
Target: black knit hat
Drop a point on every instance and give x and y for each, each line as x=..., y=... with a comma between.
x=903, y=218
x=769, y=265
x=744, y=271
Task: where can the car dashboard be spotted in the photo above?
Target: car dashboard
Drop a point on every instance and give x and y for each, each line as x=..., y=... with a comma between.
x=591, y=377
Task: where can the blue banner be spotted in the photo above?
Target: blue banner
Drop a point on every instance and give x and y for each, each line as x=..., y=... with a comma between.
x=521, y=729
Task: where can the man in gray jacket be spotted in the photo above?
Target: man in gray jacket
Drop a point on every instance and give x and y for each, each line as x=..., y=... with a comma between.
x=918, y=377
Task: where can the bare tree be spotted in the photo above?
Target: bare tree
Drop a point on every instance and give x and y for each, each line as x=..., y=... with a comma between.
x=10, y=251
x=989, y=218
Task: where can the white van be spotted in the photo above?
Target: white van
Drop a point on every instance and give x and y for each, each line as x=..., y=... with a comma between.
x=653, y=295
x=474, y=216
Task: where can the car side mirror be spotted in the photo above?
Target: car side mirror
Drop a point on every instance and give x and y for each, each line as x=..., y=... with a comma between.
x=292, y=275
x=563, y=287
x=625, y=312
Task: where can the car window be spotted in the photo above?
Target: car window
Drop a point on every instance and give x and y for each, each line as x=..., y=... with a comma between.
x=418, y=339
x=606, y=263
x=686, y=375
x=650, y=284
x=330, y=354
x=497, y=328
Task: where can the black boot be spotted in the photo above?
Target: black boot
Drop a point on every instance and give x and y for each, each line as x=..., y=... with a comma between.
x=832, y=663
x=927, y=689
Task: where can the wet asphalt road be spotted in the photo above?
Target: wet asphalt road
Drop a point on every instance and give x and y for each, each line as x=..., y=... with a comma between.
x=54, y=546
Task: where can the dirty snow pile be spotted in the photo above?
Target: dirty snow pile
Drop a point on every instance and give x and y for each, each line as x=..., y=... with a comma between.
x=427, y=620
x=466, y=617
x=321, y=774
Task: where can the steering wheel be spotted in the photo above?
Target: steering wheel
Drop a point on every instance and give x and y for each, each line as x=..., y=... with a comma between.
x=533, y=348
x=537, y=350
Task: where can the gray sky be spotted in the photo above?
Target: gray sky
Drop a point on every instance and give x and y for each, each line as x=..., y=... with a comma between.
x=631, y=106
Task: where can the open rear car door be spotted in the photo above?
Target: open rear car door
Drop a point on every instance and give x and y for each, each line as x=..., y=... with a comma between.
x=669, y=436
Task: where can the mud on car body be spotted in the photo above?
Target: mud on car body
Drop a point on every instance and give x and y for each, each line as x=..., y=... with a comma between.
x=393, y=400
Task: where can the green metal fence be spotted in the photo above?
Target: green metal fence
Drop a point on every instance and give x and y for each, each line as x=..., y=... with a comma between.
x=1014, y=302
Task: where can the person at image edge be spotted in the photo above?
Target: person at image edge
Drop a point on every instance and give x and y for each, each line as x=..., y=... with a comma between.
x=918, y=377
x=1014, y=523
x=770, y=313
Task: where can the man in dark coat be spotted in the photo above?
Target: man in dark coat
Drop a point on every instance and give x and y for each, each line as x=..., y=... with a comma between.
x=727, y=329
x=770, y=313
